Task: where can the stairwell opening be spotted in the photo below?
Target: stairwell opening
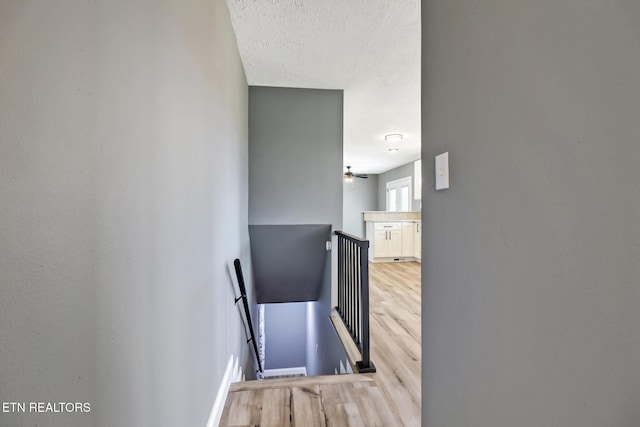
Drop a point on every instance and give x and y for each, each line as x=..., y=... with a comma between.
x=298, y=340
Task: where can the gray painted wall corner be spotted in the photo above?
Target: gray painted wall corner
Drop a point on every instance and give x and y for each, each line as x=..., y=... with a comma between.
x=530, y=262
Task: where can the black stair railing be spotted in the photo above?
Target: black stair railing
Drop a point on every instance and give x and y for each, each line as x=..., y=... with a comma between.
x=353, y=293
x=247, y=312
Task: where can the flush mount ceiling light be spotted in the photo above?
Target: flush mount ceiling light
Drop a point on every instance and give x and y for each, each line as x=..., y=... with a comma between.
x=393, y=150
x=393, y=137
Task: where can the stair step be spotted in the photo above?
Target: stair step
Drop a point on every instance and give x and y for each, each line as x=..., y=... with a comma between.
x=300, y=381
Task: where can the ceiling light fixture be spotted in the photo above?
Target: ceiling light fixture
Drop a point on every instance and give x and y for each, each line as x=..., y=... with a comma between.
x=393, y=137
x=348, y=175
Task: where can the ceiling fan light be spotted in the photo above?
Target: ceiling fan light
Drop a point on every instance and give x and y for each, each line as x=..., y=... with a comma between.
x=393, y=137
x=348, y=179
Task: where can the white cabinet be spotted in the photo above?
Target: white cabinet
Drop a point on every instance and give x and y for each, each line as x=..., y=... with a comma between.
x=394, y=240
x=387, y=239
x=394, y=246
x=417, y=240
x=380, y=243
x=408, y=247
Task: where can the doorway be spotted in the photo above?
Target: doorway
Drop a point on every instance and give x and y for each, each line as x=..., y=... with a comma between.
x=399, y=195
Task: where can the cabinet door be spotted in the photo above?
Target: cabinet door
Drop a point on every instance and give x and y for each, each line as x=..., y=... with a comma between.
x=380, y=243
x=417, y=244
x=394, y=244
x=407, y=238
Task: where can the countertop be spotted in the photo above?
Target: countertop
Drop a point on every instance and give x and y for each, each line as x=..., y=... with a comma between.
x=380, y=216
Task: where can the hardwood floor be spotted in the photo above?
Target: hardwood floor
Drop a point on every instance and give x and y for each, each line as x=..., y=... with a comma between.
x=389, y=397
x=330, y=400
x=395, y=336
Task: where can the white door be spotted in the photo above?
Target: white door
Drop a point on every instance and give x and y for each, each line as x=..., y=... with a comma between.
x=399, y=195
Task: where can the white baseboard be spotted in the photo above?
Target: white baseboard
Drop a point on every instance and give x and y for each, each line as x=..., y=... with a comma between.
x=232, y=374
x=300, y=370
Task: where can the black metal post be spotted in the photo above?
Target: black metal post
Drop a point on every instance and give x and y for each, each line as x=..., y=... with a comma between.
x=366, y=365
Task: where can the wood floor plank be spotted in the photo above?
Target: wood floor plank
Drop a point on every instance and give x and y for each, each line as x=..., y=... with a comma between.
x=245, y=408
x=334, y=397
x=300, y=381
x=306, y=407
x=276, y=408
x=376, y=410
x=396, y=349
x=352, y=415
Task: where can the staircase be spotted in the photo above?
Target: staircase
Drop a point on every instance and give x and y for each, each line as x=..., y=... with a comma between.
x=331, y=400
x=348, y=399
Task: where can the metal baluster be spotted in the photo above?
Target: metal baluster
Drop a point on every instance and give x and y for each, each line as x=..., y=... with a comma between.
x=353, y=293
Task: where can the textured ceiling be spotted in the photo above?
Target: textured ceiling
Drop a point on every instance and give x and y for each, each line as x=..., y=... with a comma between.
x=369, y=48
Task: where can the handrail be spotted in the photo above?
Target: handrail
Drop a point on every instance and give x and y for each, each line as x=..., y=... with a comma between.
x=247, y=312
x=353, y=293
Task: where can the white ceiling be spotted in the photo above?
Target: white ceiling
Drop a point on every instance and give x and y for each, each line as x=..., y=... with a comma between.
x=369, y=48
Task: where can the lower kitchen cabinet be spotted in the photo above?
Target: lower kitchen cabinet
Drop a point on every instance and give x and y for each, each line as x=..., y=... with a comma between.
x=393, y=241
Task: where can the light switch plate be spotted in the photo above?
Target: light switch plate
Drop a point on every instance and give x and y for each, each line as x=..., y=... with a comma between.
x=442, y=171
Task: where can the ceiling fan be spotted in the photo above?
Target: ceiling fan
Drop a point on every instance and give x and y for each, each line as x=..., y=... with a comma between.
x=348, y=175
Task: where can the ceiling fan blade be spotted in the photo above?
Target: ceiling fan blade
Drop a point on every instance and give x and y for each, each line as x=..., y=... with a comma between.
x=362, y=176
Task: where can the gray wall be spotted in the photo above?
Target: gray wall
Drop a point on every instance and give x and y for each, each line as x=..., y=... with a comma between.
x=295, y=174
x=295, y=177
x=283, y=350
x=123, y=163
x=324, y=350
x=288, y=261
x=392, y=175
x=531, y=261
x=358, y=196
